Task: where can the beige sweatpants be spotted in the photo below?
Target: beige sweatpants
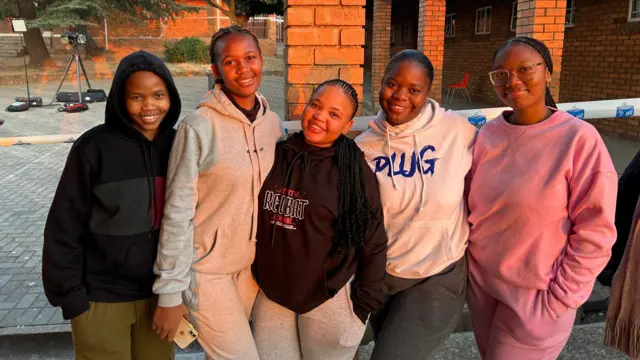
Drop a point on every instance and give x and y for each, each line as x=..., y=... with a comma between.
x=332, y=331
x=222, y=315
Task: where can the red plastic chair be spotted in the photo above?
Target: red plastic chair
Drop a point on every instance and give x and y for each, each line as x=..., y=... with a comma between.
x=463, y=85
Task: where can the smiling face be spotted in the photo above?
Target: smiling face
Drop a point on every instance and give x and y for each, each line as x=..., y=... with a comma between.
x=239, y=65
x=404, y=92
x=328, y=114
x=526, y=89
x=147, y=102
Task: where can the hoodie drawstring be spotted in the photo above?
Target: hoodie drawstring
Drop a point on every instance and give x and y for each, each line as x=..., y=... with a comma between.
x=253, y=180
x=285, y=182
x=415, y=139
x=393, y=180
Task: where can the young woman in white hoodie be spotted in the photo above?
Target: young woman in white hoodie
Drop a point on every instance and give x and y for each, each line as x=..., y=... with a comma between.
x=221, y=155
x=421, y=155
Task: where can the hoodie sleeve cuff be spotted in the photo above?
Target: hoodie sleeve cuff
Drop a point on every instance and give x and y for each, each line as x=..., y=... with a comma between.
x=75, y=306
x=361, y=313
x=169, y=300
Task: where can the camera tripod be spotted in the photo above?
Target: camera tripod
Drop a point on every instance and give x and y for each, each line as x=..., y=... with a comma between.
x=75, y=57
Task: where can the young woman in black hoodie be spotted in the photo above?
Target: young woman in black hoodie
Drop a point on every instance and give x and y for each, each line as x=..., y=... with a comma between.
x=101, y=235
x=321, y=245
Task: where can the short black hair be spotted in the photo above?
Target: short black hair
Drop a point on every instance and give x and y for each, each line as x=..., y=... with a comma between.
x=542, y=49
x=411, y=55
x=222, y=33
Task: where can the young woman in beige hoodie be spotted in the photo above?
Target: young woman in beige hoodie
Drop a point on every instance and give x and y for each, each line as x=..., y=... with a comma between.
x=420, y=154
x=221, y=155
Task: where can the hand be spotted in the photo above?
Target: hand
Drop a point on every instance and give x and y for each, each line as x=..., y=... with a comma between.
x=167, y=319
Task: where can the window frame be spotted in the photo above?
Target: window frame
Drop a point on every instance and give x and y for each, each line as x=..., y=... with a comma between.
x=407, y=29
x=481, y=14
x=450, y=29
x=392, y=35
x=631, y=17
x=570, y=17
x=514, y=16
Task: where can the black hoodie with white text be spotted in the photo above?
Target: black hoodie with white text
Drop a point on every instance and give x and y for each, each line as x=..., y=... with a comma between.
x=299, y=203
x=101, y=234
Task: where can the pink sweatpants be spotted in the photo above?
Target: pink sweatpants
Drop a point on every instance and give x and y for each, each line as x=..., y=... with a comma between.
x=514, y=323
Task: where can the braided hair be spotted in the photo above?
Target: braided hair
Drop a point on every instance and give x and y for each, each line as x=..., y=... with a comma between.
x=411, y=55
x=222, y=33
x=355, y=211
x=543, y=50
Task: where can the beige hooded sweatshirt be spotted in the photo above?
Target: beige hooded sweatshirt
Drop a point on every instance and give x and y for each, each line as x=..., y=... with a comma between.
x=217, y=165
x=421, y=168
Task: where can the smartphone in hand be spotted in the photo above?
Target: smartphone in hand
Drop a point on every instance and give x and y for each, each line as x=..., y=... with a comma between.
x=185, y=335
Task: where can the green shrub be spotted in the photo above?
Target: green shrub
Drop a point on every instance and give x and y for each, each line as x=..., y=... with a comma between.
x=189, y=49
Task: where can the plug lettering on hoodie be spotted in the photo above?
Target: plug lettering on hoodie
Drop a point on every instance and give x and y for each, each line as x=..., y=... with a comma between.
x=383, y=163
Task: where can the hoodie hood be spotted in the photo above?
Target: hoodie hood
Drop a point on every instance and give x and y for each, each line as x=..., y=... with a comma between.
x=429, y=114
x=116, y=115
x=217, y=100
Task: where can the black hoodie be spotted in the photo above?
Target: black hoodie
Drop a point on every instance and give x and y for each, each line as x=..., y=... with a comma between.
x=101, y=235
x=298, y=206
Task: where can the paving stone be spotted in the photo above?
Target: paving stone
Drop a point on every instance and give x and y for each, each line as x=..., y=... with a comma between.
x=26, y=301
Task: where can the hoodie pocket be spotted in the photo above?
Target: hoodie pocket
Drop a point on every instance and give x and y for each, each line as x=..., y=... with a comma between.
x=204, y=249
x=418, y=247
x=138, y=262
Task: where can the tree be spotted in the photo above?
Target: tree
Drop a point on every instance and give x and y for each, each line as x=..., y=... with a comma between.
x=239, y=11
x=82, y=14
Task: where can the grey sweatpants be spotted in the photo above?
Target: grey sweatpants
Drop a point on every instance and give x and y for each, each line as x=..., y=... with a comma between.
x=332, y=331
x=419, y=315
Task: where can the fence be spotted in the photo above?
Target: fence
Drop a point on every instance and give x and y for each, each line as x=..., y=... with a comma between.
x=259, y=26
x=279, y=29
x=622, y=108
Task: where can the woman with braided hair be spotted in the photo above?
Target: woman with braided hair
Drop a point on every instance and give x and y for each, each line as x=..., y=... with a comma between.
x=542, y=201
x=321, y=245
x=221, y=155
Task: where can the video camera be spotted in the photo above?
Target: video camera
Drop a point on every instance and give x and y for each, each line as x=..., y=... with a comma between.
x=73, y=38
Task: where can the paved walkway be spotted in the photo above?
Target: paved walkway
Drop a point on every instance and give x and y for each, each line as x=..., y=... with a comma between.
x=28, y=180
x=585, y=343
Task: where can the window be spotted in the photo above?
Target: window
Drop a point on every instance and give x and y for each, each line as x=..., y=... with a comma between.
x=483, y=20
x=634, y=10
x=407, y=34
x=514, y=16
x=570, y=19
x=450, y=25
x=393, y=35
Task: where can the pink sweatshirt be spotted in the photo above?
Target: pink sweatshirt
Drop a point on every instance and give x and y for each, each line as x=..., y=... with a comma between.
x=542, y=202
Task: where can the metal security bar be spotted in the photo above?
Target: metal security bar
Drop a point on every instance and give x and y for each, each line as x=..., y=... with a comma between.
x=622, y=108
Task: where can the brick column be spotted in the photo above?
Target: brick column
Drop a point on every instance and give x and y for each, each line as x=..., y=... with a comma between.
x=381, y=48
x=324, y=40
x=272, y=28
x=544, y=20
x=431, y=39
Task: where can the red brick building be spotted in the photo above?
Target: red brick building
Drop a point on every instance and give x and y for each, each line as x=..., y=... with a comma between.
x=125, y=36
x=595, y=45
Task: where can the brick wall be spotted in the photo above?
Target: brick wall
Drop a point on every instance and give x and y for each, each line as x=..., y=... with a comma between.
x=324, y=40
x=602, y=60
x=431, y=17
x=380, y=45
x=468, y=52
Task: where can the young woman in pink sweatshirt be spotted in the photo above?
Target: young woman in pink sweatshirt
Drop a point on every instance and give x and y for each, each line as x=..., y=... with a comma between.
x=542, y=201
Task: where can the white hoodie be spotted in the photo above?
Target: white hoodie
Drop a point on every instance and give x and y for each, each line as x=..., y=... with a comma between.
x=423, y=198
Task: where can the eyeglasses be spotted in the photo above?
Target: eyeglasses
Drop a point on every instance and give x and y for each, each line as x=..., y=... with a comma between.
x=524, y=73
